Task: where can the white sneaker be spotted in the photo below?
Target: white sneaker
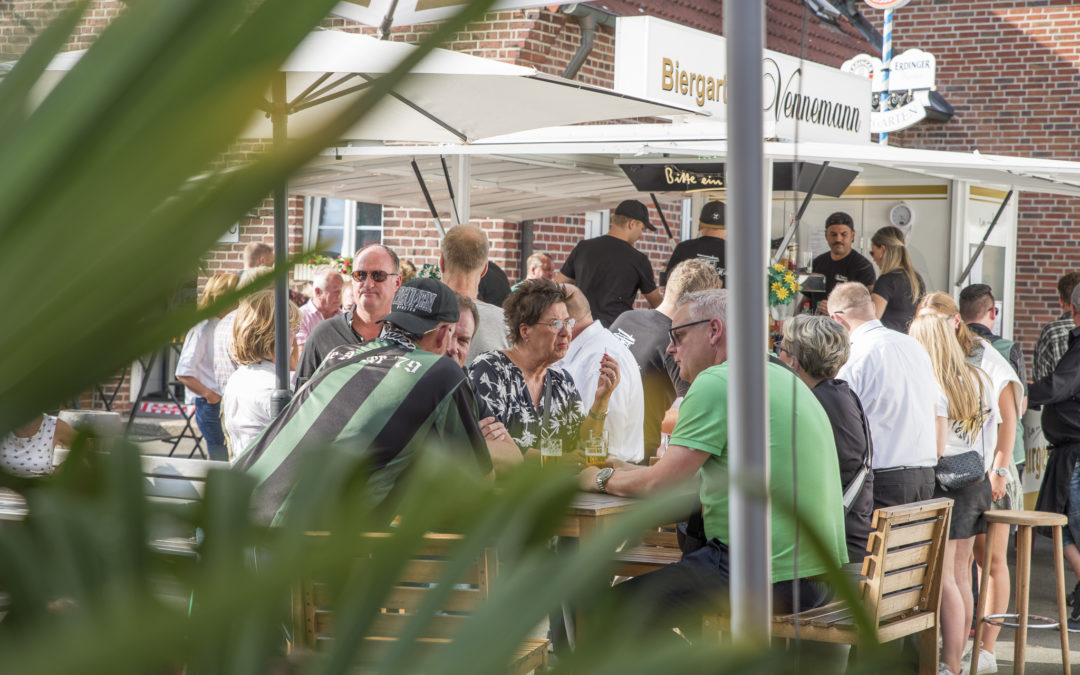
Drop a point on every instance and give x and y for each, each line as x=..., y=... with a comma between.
x=943, y=670
x=987, y=662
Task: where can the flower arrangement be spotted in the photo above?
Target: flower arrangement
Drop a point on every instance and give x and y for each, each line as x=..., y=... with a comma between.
x=783, y=285
x=342, y=263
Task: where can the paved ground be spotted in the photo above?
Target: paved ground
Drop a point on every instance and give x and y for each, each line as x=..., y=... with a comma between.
x=1043, y=647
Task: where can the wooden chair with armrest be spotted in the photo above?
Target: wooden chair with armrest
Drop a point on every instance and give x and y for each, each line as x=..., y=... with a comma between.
x=902, y=585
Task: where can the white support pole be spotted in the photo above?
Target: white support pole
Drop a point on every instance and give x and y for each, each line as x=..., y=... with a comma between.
x=463, y=186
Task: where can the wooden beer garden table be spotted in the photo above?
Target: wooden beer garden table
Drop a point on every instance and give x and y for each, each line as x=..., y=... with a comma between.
x=592, y=510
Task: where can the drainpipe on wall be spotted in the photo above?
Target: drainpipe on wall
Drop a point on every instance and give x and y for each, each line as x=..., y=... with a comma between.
x=588, y=19
x=527, y=244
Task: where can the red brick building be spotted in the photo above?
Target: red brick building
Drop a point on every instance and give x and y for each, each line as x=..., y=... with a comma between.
x=1007, y=66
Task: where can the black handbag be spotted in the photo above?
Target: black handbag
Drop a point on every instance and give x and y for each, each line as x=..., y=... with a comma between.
x=959, y=471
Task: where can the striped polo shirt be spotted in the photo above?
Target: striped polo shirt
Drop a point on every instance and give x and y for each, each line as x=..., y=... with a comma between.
x=386, y=401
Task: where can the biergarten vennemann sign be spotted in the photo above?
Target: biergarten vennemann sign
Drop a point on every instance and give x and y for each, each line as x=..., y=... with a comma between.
x=665, y=61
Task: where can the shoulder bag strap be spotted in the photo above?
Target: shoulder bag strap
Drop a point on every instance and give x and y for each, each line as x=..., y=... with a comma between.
x=852, y=491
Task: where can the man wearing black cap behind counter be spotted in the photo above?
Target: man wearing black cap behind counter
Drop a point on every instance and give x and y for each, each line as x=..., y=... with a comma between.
x=609, y=270
x=709, y=244
x=387, y=400
x=842, y=263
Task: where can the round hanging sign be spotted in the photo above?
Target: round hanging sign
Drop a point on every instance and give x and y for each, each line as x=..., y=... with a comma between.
x=886, y=4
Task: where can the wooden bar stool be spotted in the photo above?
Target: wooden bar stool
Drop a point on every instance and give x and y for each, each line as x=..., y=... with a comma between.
x=1025, y=522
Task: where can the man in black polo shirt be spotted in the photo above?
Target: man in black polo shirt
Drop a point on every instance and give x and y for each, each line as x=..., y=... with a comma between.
x=609, y=270
x=708, y=245
x=841, y=263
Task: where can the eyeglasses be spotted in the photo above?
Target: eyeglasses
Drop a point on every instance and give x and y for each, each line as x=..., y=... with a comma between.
x=673, y=333
x=378, y=276
x=780, y=349
x=557, y=325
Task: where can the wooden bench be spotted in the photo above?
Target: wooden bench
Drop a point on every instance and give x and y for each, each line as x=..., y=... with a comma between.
x=659, y=548
x=313, y=616
x=902, y=588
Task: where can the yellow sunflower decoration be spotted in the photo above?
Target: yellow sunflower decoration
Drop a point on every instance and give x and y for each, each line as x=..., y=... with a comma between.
x=783, y=285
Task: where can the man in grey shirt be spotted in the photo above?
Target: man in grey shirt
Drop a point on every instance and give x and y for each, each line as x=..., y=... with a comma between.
x=464, y=261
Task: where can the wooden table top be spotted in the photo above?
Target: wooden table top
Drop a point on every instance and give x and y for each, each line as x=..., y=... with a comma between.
x=598, y=504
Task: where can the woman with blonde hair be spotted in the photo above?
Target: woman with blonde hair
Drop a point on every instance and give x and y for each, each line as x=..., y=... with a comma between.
x=898, y=286
x=1008, y=392
x=247, y=407
x=195, y=368
x=970, y=415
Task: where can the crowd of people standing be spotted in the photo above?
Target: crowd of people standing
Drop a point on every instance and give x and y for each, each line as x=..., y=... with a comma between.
x=889, y=387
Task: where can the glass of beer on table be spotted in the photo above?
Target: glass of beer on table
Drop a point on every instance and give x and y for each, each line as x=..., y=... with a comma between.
x=596, y=448
x=550, y=449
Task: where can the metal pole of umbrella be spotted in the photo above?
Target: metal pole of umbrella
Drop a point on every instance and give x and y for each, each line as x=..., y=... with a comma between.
x=279, y=118
x=748, y=442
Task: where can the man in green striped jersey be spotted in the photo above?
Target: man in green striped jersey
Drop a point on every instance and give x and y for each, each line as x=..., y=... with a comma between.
x=386, y=400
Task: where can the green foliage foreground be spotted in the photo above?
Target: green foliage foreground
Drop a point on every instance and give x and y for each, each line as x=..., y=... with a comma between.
x=99, y=223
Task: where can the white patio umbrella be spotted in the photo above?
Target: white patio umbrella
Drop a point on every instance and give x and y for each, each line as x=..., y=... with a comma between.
x=448, y=97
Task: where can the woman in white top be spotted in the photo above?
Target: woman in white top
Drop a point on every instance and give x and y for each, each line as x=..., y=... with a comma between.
x=28, y=449
x=1004, y=479
x=970, y=413
x=195, y=368
x=247, y=395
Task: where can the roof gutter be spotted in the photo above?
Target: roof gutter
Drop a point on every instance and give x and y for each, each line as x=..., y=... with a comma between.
x=588, y=19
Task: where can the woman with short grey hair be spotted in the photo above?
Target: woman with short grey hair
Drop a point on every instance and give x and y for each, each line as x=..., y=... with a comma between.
x=815, y=347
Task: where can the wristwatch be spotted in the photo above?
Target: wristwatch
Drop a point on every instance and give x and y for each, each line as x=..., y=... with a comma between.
x=602, y=478
x=1001, y=471
x=599, y=417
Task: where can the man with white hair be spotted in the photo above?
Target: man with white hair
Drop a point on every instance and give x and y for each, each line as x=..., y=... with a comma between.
x=537, y=266
x=589, y=342
x=325, y=302
x=892, y=375
x=464, y=261
x=699, y=445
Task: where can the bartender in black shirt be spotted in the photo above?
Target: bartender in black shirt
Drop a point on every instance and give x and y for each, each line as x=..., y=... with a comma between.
x=841, y=263
x=708, y=246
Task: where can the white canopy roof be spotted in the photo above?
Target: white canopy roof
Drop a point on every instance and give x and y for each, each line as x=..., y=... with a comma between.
x=566, y=170
x=449, y=97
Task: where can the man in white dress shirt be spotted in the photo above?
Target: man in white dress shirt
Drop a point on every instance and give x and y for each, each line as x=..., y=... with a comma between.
x=892, y=375
x=324, y=304
x=588, y=344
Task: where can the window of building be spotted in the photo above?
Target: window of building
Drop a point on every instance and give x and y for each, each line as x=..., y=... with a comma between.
x=341, y=226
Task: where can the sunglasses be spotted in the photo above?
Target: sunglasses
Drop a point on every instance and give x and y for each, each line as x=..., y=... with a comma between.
x=378, y=276
x=675, y=332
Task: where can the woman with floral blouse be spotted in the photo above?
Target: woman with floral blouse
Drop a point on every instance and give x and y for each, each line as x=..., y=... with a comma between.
x=518, y=387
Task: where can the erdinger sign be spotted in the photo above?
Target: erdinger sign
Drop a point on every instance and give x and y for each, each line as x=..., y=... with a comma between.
x=665, y=61
x=911, y=78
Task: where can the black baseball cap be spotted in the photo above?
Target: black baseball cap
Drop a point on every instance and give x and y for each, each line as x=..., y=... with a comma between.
x=840, y=218
x=712, y=214
x=632, y=208
x=421, y=304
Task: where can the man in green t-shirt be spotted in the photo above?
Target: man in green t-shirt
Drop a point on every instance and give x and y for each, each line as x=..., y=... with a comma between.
x=699, y=445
